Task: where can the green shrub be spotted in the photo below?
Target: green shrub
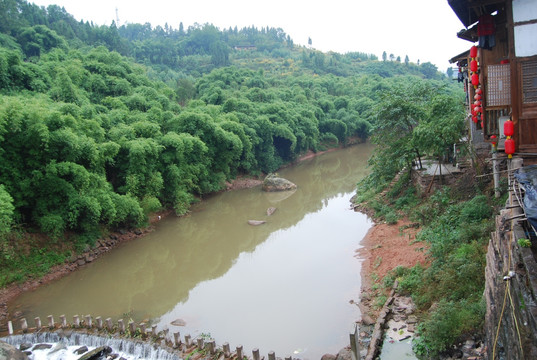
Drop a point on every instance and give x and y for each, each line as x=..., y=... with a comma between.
x=446, y=323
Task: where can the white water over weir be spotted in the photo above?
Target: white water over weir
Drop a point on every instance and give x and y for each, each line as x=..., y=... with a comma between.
x=65, y=343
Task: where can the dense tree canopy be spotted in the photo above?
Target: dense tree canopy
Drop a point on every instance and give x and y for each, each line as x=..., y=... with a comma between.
x=101, y=125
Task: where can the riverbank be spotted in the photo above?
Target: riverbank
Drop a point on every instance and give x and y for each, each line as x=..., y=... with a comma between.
x=385, y=247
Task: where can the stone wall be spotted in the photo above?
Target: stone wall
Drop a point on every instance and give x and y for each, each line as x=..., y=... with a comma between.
x=510, y=290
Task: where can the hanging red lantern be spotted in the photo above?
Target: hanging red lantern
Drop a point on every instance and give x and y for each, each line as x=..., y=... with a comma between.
x=477, y=103
x=473, y=51
x=477, y=97
x=482, y=117
x=475, y=79
x=493, y=140
x=474, y=118
x=478, y=109
x=479, y=91
x=473, y=66
x=509, y=147
x=508, y=128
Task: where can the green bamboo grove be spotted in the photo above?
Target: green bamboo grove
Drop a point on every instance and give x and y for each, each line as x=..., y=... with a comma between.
x=100, y=126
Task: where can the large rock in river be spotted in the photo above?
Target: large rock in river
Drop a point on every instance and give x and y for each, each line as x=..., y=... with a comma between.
x=275, y=183
x=9, y=352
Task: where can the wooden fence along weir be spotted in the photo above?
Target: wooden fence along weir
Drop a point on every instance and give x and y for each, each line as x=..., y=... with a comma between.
x=188, y=349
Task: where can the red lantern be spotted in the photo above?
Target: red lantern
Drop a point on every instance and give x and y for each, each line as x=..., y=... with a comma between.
x=508, y=128
x=477, y=97
x=478, y=109
x=475, y=79
x=473, y=66
x=479, y=91
x=493, y=140
x=477, y=103
x=509, y=147
x=474, y=118
x=473, y=51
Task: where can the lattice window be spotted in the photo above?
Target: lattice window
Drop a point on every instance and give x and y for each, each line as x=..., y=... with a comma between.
x=499, y=85
x=529, y=82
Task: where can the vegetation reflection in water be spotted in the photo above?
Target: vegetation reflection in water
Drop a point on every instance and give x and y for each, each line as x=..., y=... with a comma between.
x=282, y=286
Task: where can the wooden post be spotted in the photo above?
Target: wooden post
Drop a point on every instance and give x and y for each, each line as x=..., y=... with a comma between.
x=227, y=351
x=64, y=321
x=271, y=355
x=188, y=340
x=288, y=358
x=200, y=343
x=24, y=325
x=132, y=327
x=176, y=339
x=354, y=341
x=76, y=321
x=99, y=322
x=154, y=330
x=212, y=347
x=37, y=323
x=255, y=354
x=109, y=324
x=142, y=329
x=121, y=326
x=240, y=355
x=10, y=327
x=50, y=322
x=496, y=174
x=88, y=321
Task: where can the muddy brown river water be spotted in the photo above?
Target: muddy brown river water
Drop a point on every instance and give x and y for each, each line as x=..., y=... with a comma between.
x=283, y=286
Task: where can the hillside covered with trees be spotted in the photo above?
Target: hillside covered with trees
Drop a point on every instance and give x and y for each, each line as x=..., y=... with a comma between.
x=100, y=126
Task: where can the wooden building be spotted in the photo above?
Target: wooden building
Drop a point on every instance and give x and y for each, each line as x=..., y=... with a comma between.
x=505, y=34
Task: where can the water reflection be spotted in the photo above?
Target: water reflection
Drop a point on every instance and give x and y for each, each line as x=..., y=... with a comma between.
x=283, y=285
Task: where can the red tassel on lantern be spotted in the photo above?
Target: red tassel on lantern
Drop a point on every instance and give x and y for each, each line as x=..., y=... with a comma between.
x=508, y=128
x=475, y=79
x=473, y=51
x=509, y=147
x=473, y=66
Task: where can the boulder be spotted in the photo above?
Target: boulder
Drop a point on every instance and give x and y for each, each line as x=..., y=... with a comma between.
x=274, y=183
x=81, y=350
x=256, y=222
x=96, y=354
x=9, y=352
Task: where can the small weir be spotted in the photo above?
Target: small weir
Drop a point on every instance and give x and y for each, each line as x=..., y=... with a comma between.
x=135, y=341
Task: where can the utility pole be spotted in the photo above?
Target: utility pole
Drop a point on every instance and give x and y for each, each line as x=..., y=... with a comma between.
x=117, y=17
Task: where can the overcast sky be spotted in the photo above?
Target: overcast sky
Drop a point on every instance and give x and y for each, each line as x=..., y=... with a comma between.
x=422, y=29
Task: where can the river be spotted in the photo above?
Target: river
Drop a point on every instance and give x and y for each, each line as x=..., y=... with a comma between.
x=283, y=286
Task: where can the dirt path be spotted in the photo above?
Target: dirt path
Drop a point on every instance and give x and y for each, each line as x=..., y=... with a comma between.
x=384, y=248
